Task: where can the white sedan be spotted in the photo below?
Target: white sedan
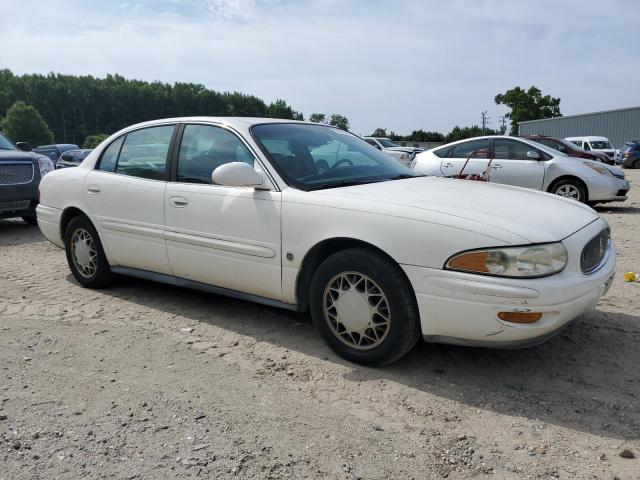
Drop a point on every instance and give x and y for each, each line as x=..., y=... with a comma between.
x=525, y=163
x=259, y=209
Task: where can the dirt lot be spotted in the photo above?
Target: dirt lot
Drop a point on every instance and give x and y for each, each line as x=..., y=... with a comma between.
x=150, y=381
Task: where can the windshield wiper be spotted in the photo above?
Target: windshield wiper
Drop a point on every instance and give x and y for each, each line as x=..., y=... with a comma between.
x=402, y=176
x=342, y=183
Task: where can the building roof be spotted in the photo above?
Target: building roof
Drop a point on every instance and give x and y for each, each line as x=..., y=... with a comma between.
x=581, y=115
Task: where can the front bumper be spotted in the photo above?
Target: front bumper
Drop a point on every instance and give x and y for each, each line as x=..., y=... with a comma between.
x=462, y=308
x=19, y=200
x=607, y=189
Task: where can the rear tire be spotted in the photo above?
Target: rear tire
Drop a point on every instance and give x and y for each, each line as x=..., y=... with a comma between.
x=570, y=189
x=31, y=220
x=85, y=254
x=636, y=164
x=364, y=308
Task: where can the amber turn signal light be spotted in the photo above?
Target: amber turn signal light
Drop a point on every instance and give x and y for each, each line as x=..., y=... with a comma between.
x=520, y=317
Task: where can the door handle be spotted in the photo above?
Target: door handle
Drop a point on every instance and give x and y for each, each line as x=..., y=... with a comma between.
x=496, y=166
x=178, y=202
x=447, y=165
x=93, y=189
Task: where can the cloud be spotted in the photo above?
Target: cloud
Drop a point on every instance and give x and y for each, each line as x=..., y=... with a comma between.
x=231, y=9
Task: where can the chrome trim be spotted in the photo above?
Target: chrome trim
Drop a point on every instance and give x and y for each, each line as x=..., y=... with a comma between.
x=133, y=229
x=219, y=244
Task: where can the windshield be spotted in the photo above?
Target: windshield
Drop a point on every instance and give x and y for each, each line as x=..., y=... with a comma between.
x=6, y=144
x=312, y=157
x=559, y=144
x=387, y=143
x=600, y=145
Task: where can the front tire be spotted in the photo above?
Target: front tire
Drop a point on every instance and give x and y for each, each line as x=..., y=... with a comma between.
x=636, y=164
x=85, y=254
x=363, y=307
x=570, y=189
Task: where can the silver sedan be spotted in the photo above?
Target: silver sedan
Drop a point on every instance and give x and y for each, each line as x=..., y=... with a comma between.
x=524, y=163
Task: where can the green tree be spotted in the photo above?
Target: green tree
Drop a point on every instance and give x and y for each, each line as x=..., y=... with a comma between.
x=23, y=123
x=528, y=105
x=318, y=118
x=379, y=132
x=467, y=132
x=422, y=136
x=92, y=141
x=280, y=109
x=339, y=121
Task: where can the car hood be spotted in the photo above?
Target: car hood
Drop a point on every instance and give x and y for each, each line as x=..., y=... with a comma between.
x=17, y=156
x=514, y=215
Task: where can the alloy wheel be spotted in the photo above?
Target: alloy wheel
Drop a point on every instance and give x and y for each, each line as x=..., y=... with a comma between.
x=569, y=191
x=356, y=310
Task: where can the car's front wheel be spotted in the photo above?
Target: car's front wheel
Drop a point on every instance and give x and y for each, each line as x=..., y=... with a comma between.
x=363, y=307
x=636, y=164
x=570, y=189
x=85, y=254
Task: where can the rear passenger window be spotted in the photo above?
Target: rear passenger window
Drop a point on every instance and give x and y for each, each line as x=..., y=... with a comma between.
x=443, y=152
x=479, y=148
x=144, y=153
x=110, y=156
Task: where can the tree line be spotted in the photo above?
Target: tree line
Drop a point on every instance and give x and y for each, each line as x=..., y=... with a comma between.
x=77, y=107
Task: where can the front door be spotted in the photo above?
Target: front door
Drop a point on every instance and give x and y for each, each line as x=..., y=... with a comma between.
x=477, y=150
x=126, y=196
x=512, y=166
x=223, y=236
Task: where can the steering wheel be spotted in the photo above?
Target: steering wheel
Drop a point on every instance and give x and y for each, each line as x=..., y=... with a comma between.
x=322, y=166
x=340, y=162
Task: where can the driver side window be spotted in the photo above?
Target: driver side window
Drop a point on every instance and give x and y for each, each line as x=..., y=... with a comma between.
x=204, y=148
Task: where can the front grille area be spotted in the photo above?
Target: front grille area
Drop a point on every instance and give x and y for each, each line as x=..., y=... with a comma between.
x=594, y=251
x=621, y=193
x=14, y=205
x=15, y=173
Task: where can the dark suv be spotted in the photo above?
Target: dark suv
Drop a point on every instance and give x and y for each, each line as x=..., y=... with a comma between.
x=631, y=154
x=20, y=174
x=568, y=148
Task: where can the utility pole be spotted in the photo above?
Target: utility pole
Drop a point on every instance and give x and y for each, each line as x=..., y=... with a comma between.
x=503, y=125
x=485, y=121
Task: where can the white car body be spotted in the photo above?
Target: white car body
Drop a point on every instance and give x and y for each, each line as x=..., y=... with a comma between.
x=253, y=243
x=404, y=154
x=594, y=143
x=603, y=183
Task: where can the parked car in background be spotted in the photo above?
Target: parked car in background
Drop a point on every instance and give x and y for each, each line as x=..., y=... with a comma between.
x=404, y=154
x=570, y=148
x=380, y=257
x=20, y=175
x=72, y=158
x=54, y=151
x=595, y=144
x=524, y=163
x=631, y=154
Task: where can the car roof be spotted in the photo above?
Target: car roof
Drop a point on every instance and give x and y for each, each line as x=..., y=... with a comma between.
x=243, y=122
x=589, y=138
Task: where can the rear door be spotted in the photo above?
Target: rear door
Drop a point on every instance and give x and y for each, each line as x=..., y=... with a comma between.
x=479, y=151
x=512, y=166
x=126, y=196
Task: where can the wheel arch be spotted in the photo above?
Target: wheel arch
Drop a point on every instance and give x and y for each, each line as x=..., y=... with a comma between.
x=323, y=250
x=69, y=214
x=569, y=177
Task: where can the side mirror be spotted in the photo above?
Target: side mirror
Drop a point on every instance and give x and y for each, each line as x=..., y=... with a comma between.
x=237, y=174
x=24, y=146
x=533, y=155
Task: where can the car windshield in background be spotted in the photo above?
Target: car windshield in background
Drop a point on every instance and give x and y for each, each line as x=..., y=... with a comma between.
x=601, y=145
x=560, y=145
x=387, y=144
x=6, y=144
x=312, y=157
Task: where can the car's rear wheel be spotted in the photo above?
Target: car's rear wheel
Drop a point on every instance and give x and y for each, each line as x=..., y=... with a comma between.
x=30, y=219
x=570, y=189
x=85, y=254
x=636, y=164
x=363, y=307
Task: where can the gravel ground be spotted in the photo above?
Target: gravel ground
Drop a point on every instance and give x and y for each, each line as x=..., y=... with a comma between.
x=150, y=381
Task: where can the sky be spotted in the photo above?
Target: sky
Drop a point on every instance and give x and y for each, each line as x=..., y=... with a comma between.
x=399, y=65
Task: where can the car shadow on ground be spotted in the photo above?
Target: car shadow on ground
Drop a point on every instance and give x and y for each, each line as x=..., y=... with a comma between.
x=17, y=232
x=586, y=378
x=612, y=209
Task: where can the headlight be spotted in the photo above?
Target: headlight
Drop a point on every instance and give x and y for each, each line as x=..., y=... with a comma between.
x=598, y=168
x=516, y=262
x=45, y=165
